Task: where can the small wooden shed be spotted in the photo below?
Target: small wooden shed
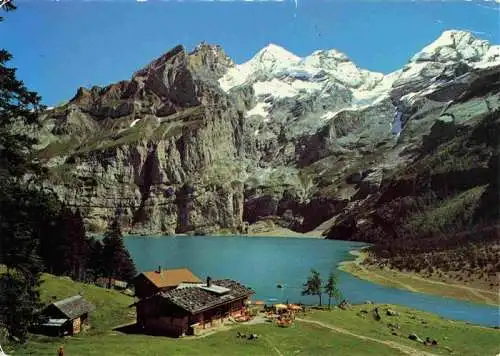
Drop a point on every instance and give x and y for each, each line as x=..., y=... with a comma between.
x=66, y=317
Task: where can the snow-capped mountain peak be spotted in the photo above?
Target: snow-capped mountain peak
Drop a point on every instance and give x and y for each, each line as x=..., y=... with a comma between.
x=328, y=55
x=274, y=63
x=273, y=52
x=439, y=59
x=329, y=82
x=454, y=45
x=269, y=61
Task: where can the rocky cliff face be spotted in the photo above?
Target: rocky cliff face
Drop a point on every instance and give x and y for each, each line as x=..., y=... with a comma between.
x=138, y=148
x=195, y=143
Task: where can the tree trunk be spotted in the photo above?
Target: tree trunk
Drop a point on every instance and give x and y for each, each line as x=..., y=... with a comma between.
x=329, y=302
x=319, y=295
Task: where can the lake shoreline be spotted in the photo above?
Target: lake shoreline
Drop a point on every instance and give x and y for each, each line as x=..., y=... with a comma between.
x=280, y=232
x=413, y=282
x=263, y=263
x=313, y=330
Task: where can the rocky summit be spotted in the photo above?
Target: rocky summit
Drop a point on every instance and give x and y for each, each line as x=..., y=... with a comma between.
x=194, y=143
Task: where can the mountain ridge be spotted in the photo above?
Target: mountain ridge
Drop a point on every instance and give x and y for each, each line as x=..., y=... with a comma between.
x=171, y=150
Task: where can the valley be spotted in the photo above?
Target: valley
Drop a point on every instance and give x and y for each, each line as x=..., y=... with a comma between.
x=249, y=178
x=196, y=144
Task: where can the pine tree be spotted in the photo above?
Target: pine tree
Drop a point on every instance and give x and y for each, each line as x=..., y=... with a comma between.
x=95, y=261
x=81, y=244
x=117, y=261
x=50, y=235
x=18, y=304
x=64, y=246
x=19, y=244
x=331, y=289
x=19, y=247
x=72, y=244
x=313, y=285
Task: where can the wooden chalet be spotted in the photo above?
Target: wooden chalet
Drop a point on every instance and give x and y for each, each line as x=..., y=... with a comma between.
x=192, y=308
x=147, y=284
x=65, y=317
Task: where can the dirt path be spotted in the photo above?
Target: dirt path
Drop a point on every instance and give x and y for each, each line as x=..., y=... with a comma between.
x=359, y=259
x=391, y=281
x=408, y=350
x=478, y=292
x=282, y=232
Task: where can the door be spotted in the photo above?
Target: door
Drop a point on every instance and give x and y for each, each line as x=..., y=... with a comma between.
x=76, y=325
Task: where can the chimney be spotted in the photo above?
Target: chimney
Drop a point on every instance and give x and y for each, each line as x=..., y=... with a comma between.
x=159, y=269
x=209, y=280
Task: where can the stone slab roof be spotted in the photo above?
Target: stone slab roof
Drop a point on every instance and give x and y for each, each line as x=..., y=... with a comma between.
x=73, y=307
x=195, y=300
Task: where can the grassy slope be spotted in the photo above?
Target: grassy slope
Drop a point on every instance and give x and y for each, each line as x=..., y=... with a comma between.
x=437, y=216
x=415, y=283
x=306, y=339
x=117, y=132
x=454, y=338
x=111, y=307
x=303, y=338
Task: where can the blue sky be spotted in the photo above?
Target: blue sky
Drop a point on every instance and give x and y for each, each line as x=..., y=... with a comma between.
x=59, y=46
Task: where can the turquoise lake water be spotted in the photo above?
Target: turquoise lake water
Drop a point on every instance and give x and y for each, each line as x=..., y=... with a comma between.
x=263, y=262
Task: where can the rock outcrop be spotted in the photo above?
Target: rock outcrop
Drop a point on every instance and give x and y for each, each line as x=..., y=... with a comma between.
x=138, y=148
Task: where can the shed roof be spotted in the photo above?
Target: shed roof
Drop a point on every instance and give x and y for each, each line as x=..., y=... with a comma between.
x=55, y=322
x=171, y=277
x=198, y=299
x=73, y=307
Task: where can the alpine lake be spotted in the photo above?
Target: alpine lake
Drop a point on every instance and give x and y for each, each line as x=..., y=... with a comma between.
x=276, y=268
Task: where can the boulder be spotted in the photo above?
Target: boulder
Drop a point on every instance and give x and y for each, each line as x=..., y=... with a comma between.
x=415, y=337
x=391, y=312
x=344, y=305
x=430, y=342
x=252, y=337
